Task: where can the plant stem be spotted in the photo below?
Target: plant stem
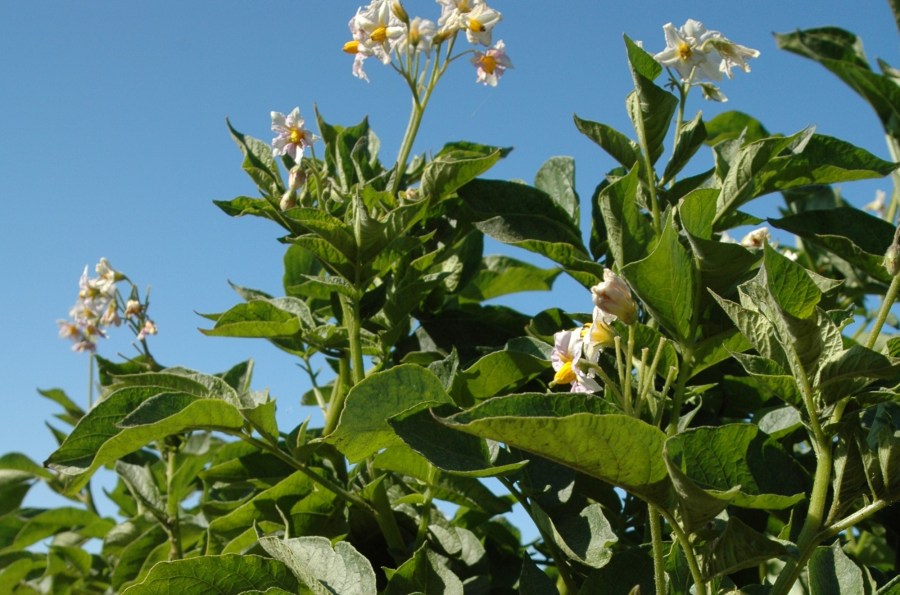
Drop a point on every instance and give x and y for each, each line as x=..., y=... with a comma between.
x=684, y=372
x=173, y=528
x=338, y=396
x=659, y=570
x=685, y=543
x=889, y=298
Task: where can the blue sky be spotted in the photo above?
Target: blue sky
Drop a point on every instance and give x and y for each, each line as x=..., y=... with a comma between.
x=114, y=144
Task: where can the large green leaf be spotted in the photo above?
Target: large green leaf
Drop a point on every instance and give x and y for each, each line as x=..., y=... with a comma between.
x=586, y=536
x=449, y=171
x=424, y=572
x=618, y=449
x=225, y=575
x=556, y=177
x=281, y=317
x=324, y=568
x=691, y=138
x=258, y=163
x=50, y=522
x=722, y=458
x=630, y=233
x=502, y=275
x=364, y=429
x=831, y=572
x=738, y=547
x=858, y=237
x=620, y=147
x=650, y=107
x=499, y=372
x=666, y=282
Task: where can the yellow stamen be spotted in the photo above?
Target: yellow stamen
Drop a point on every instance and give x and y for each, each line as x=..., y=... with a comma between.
x=352, y=47
x=475, y=25
x=379, y=35
x=296, y=136
x=684, y=51
x=463, y=6
x=488, y=64
x=565, y=375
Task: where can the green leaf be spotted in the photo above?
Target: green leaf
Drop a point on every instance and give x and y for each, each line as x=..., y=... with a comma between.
x=790, y=284
x=136, y=553
x=851, y=371
x=258, y=163
x=424, y=572
x=858, y=237
x=665, y=281
x=73, y=412
x=323, y=568
x=738, y=547
x=630, y=234
x=649, y=107
x=449, y=171
x=502, y=275
x=629, y=569
x=534, y=581
x=557, y=178
x=230, y=574
x=693, y=133
x=130, y=418
x=623, y=451
x=498, y=372
x=620, y=147
x=722, y=458
x=364, y=429
x=586, y=537
x=447, y=449
x=279, y=317
x=831, y=572
x=57, y=520
x=739, y=185
x=733, y=124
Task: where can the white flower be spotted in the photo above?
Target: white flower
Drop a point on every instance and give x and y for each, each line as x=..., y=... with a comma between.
x=698, y=53
x=479, y=23
x=292, y=138
x=377, y=29
x=567, y=351
x=756, y=238
x=453, y=13
x=491, y=64
x=613, y=297
x=877, y=205
x=149, y=328
x=597, y=335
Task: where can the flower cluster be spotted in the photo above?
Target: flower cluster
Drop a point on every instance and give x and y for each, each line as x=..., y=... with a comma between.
x=384, y=30
x=100, y=306
x=699, y=54
x=575, y=349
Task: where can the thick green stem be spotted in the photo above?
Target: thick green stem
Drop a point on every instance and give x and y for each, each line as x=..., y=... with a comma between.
x=889, y=298
x=173, y=527
x=659, y=564
x=338, y=395
x=693, y=564
x=352, y=323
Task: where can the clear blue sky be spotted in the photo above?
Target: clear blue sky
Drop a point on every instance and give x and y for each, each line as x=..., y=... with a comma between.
x=114, y=144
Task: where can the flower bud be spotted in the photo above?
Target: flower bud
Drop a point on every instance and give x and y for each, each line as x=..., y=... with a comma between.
x=892, y=259
x=613, y=297
x=399, y=12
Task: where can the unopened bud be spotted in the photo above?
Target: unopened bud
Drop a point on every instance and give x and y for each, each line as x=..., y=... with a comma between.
x=442, y=36
x=613, y=297
x=892, y=259
x=400, y=12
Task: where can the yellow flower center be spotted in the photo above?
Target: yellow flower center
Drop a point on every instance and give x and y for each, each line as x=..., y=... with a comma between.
x=475, y=25
x=684, y=51
x=463, y=6
x=489, y=64
x=565, y=375
x=379, y=34
x=351, y=47
x=296, y=136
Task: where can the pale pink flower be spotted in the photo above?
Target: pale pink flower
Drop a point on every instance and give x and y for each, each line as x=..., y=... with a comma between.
x=613, y=297
x=491, y=64
x=377, y=29
x=149, y=328
x=567, y=351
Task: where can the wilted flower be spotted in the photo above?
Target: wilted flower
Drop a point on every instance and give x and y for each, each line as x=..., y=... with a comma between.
x=133, y=308
x=491, y=64
x=292, y=137
x=567, y=351
x=712, y=92
x=877, y=205
x=419, y=35
x=613, y=298
x=696, y=52
x=756, y=238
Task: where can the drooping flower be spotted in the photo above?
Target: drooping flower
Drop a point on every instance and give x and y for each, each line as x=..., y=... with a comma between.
x=292, y=138
x=567, y=351
x=698, y=53
x=149, y=328
x=491, y=64
x=613, y=298
x=377, y=29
